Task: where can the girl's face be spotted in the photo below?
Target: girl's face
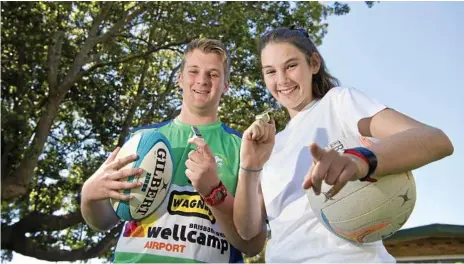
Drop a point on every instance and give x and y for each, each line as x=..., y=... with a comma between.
x=288, y=75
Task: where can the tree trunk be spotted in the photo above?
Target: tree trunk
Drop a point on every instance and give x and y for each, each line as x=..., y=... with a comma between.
x=17, y=184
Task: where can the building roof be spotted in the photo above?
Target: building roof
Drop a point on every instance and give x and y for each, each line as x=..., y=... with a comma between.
x=433, y=230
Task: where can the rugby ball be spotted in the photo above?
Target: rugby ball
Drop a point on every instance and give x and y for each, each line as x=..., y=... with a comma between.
x=155, y=159
x=364, y=212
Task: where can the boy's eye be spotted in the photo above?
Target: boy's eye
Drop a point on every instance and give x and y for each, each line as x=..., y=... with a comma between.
x=270, y=72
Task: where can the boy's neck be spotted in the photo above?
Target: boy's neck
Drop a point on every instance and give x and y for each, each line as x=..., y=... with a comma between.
x=196, y=119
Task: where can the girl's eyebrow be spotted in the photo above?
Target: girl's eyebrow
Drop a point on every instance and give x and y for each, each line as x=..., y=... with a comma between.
x=287, y=61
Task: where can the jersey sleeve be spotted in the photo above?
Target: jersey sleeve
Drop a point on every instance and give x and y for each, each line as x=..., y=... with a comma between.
x=353, y=105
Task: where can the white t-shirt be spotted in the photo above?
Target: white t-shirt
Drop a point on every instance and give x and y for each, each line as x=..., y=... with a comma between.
x=296, y=234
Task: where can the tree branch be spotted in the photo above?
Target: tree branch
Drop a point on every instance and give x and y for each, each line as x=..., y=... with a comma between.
x=135, y=104
x=29, y=247
x=118, y=25
x=82, y=57
x=99, y=19
x=131, y=36
x=53, y=61
x=136, y=56
x=176, y=50
x=160, y=97
x=173, y=74
x=36, y=222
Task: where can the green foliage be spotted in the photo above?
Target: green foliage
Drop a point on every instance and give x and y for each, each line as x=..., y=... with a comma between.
x=77, y=75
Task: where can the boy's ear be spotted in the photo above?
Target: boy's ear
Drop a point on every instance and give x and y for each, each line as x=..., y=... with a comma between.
x=226, y=87
x=179, y=79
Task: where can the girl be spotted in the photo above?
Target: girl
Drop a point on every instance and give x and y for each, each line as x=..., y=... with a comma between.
x=321, y=112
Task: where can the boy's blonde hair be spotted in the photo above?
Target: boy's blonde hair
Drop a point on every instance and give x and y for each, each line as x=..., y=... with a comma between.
x=209, y=46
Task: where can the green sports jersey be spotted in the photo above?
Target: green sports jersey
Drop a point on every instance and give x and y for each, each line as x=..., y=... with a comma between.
x=183, y=228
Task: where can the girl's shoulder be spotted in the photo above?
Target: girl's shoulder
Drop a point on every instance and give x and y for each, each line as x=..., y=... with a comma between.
x=340, y=90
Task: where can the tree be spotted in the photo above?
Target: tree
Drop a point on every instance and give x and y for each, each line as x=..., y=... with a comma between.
x=76, y=76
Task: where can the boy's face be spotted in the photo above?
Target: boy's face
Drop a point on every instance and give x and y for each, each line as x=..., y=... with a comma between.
x=203, y=81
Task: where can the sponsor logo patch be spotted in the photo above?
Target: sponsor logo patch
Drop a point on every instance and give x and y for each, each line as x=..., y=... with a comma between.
x=183, y=233
x=187, y=203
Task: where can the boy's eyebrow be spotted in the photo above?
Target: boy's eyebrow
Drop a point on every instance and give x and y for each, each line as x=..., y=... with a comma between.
x=287, y=61
x=196, y=66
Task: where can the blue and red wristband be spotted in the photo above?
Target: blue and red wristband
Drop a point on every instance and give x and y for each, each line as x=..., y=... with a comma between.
x=369, y=157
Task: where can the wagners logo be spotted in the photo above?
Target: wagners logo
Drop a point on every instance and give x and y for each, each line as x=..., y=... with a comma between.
x=189, y=204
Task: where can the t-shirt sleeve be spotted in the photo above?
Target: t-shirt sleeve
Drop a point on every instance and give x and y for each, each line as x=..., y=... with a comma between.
x=353, y=105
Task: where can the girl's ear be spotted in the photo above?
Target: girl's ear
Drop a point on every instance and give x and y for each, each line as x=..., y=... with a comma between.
x=315, y=63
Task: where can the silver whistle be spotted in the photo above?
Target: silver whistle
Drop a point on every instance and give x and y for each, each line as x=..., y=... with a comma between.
x=196, y=132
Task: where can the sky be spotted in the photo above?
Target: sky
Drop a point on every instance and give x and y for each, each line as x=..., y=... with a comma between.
x=410, y=57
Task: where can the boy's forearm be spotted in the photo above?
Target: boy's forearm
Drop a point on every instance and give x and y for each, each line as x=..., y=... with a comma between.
x=99, y=215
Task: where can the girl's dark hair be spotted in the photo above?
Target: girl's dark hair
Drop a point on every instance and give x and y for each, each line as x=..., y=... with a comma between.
x=322, y=80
